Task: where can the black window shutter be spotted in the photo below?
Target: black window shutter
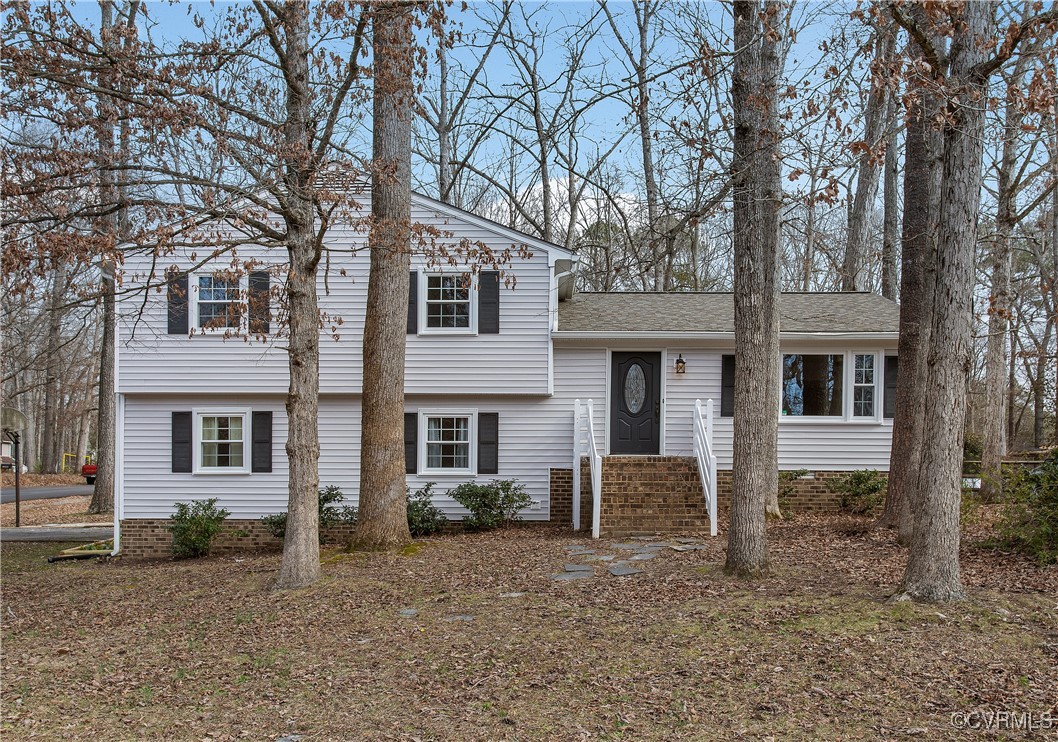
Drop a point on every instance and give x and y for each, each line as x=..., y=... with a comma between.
x=727, y=387
x=258, y=303
x=413, y=303
x=261, y=456
x=892, y=365
x=182, y=442
x=489, y=303
x=177, y=296
x=488, y=443
x=411, y=437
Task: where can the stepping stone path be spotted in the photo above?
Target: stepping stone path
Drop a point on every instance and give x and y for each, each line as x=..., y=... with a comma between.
x=409, y=613
x=569, y=576
x=642, y=549
x=577, y=568
x=511, y=595
x=641, y=557
x=624, y=571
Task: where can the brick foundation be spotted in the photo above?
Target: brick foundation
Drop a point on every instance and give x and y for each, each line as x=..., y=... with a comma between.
x=562, y=496
x=150, y=539
x=643, y=495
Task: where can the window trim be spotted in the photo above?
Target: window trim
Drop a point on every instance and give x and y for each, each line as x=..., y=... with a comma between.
x=192, y=308
x=848, y=378
x=878, y=385
x=423, y=291
x=196, y=439
x=424, y=443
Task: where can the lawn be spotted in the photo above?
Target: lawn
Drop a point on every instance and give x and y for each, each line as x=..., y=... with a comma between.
x=471, y=637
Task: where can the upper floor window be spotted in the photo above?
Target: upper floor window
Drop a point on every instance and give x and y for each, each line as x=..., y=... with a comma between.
x=219, y=302
x=449, y=305
x=812, y=384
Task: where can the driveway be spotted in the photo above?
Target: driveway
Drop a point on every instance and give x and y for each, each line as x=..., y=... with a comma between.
x=57, y=533
x=46, y=493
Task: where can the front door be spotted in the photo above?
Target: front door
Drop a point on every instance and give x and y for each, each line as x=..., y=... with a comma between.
x=635, y=403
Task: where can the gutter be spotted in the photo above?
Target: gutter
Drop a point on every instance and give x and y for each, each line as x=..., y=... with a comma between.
x=711, y=336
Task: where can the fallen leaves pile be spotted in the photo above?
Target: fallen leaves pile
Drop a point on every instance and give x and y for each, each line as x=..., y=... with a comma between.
x=469, y=637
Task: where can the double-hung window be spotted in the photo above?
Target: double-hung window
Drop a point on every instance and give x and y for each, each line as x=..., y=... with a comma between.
x=219, y=302
x=864, y=385
x=448, y=304
x=221, y=442
x=449, y=442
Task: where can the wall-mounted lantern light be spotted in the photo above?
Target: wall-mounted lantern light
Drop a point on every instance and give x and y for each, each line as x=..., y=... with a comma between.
x=681, y=365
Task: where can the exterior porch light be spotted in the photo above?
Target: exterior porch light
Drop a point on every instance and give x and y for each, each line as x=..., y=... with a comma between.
x=681, y=365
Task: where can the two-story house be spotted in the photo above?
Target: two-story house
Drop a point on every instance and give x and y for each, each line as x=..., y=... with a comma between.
x=498, y=379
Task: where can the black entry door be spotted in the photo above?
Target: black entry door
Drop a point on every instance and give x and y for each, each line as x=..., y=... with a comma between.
x=635, y=403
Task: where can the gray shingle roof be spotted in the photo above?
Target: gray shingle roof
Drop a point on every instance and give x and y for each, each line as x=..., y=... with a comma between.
x=620, y=312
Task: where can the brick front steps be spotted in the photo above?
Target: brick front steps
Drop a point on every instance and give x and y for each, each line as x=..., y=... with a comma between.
x=643, y=495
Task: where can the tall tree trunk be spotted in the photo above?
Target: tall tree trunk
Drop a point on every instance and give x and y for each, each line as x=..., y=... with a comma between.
x=852, y=273
x=933, y=572
x=1039, y=388
x=301, y=546
x=383, y=518
x=103, y=492
x=922, y=148
x=994, y=443
x=891, y=206
x=51, y=461
x=757, y=198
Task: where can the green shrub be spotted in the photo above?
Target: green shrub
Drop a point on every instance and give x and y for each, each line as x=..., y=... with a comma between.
x=331, y=513
x=195, y=525
x=491, y=505
x=973, y=448
x=787, y=488
x=1029, y=523
x=860, y=492
x=424, y=518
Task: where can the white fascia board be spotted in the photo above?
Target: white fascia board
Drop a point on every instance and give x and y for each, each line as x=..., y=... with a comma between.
x=554, y=252
x=714, y=336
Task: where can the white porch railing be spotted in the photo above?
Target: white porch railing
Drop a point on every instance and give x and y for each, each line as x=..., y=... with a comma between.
x=703, y=451
x=584, y=444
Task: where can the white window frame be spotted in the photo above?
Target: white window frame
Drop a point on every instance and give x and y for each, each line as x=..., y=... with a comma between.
x=472, y=443
x=878, y=388
x=424, y=291
x=196, y=439
x=848, y=380
x=193, y=300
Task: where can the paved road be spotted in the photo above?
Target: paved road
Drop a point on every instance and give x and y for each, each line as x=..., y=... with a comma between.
x=45, y=493
x=42, y=533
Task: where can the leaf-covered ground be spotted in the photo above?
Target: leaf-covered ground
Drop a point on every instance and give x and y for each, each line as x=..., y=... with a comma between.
x=498, y=649
x=56, y=510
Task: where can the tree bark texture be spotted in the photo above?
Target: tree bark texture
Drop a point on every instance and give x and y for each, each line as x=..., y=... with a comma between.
x=891, y=208
x=383, y=519
x=301, y=546
x=757, y=199
x=106, y=461
x=933, y=572
x=922, y=148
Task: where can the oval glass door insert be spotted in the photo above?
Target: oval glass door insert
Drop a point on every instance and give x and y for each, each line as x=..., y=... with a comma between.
x=635, y=388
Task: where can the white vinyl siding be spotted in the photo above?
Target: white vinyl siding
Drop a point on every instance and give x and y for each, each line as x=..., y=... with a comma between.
x=512, y=362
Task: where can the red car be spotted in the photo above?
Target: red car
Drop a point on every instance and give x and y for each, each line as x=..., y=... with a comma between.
x=88, y=471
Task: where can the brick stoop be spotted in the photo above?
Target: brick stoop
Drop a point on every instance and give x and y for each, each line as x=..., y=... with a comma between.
x=644, y=495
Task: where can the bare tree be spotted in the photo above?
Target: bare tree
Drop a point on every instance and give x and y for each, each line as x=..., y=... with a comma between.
x=383, y=520
x=757, y=200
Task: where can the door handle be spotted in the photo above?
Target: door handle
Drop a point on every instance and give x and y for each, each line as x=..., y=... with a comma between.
x=657, y=412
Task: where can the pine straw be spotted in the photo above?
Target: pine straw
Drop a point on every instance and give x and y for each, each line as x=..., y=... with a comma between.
x=204, y=650
x=56, y=510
